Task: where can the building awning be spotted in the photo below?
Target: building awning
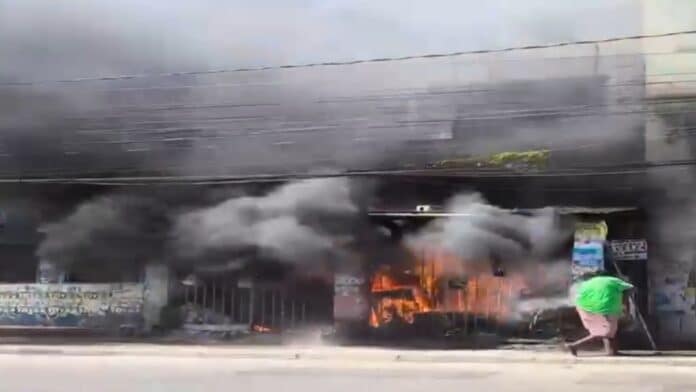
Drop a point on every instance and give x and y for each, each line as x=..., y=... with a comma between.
x=443, y=214
x=593, y=210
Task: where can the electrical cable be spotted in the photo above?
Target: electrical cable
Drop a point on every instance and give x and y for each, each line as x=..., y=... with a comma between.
x=357, y=61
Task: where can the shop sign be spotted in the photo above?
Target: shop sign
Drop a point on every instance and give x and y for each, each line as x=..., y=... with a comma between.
x=350, y=303
x=627, y=250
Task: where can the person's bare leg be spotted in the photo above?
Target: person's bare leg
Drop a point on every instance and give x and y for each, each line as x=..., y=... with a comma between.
x=614, y=343
x=573, y=347
x=608, y=346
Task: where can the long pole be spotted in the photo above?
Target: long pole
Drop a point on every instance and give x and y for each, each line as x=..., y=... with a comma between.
x=639, y=315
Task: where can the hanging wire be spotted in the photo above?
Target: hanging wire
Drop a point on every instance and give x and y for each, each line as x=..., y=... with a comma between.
x=355, y=62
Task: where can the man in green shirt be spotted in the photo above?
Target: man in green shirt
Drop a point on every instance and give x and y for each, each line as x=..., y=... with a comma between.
x=600, y=303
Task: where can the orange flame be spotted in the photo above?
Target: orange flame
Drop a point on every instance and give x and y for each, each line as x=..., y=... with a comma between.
x=425, y=287
x=261, y=329
x=396, y=298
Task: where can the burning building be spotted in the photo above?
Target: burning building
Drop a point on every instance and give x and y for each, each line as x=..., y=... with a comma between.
x=470, y=268
x=311, y=253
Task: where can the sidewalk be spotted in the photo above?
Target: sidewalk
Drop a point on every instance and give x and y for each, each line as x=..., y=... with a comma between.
x=346, y=354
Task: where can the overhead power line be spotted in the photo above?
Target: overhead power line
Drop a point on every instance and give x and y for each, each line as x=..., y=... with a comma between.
x=356, y=61
x=607, y=170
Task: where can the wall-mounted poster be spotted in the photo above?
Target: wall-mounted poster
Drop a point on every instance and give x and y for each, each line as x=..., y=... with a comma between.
x=588, y=248
x=591, y=231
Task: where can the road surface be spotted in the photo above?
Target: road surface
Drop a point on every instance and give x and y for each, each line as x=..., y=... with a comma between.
x=63, y=373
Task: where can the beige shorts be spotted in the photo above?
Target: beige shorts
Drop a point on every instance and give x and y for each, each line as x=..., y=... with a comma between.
x=599, y=325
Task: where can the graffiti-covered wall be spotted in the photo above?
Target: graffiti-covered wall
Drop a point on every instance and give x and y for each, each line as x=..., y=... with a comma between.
x=674, y=302
x=71, y=305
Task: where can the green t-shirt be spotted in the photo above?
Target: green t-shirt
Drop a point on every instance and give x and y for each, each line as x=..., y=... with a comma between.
x=602, y=294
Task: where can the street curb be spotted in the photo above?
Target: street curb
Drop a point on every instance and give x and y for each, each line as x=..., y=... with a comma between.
x=294, y=354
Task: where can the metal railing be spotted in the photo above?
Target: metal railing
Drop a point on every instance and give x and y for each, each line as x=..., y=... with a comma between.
x=269, y=307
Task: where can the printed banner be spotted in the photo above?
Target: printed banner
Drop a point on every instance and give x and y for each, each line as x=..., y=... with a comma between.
x=587, y=257
x=70, y=305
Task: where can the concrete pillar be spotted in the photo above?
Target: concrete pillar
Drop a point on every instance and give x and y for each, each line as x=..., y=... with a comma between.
x=48, y=272
x=156, y=294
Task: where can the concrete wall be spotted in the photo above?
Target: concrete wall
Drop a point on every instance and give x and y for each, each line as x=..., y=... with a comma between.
x=670, y=65
x=87, y=305
x=71, y=305
x=672, y=59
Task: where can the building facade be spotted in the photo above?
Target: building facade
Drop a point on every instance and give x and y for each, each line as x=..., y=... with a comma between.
x=670, y=64
x=596, y=111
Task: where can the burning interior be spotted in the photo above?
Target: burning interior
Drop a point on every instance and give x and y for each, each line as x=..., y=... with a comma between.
x=426, y=289
x=421, y=288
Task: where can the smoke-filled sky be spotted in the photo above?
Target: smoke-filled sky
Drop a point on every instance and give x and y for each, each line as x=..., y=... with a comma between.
x=42, y=39
x=243, y=120
x=331, y=115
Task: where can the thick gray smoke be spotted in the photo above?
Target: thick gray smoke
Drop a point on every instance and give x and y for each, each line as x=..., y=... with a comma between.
x=291, y=224
x=487, y=239
x=121, y=227
x=479, y=232
x=672, y=215
x=301, y=222
x=109, y=230
x=553, y=294
x=292, y=119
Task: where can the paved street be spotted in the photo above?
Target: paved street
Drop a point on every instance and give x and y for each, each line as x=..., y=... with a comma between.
x=58, y=373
